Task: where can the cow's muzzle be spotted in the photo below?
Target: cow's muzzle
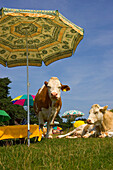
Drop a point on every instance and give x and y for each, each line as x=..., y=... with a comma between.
x=89, y=121
x=54, y=95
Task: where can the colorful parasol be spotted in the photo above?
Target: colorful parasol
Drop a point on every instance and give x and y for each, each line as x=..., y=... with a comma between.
x=57, y=128
x=22, y=100
x=72, y=114
x=4, y=116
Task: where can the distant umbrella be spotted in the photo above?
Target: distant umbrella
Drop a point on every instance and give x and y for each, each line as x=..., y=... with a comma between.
x=22, y=100
x=4, y=116
x=72, y=114
x=57, y=128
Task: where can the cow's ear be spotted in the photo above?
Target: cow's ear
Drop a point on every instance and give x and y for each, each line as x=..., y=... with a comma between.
x=103, y=109
x=46, y=83
x=65, y=87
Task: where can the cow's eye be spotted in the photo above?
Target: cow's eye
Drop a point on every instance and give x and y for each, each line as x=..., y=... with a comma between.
x=59, y=87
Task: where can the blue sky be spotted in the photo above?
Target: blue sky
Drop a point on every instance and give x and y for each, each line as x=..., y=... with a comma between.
x=89, y=72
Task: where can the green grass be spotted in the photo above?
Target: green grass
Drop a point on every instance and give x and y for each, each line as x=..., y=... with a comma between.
x=53, y=154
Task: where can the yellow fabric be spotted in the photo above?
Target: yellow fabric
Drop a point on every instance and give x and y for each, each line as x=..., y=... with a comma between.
x=78, y=123
x=19, y=131
x=17, y=98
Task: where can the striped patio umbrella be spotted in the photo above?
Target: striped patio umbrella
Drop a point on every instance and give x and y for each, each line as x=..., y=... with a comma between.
x=48, y=34
x=72, y=114
x=22, y=100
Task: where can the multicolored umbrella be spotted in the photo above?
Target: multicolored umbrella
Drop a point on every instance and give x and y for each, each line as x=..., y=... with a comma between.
x=72, y=114
x=30, y=37
x=4, y=116
x=57, y=128
x=22, y=100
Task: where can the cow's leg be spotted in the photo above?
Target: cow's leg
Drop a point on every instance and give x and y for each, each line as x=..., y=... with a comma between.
x=41, y=121
x=89, y=134
x=53, y=114
x=49, y=130
x=106, y=134
x=71, y=137
x=50, y=123
x=67, y=134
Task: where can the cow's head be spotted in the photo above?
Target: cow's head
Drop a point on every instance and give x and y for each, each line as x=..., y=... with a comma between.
x=96, y=114
x=54, y=88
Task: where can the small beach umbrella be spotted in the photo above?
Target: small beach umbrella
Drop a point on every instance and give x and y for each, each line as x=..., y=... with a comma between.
x=30, y=37
x=22, y=100
x=57, y=128
x=4, y=116
x=72, y=114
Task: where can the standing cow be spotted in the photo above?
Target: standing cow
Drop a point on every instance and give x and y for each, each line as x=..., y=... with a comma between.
x=101, y=118
x=47, y=103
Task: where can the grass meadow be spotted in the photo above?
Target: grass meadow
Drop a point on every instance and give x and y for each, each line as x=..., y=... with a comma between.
x=61, y=154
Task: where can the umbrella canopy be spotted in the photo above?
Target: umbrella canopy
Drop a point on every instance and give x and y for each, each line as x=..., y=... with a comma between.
x=72, y=114
x=28, y=37
x=57, y=128
x=50, y=37
x=4, y=116
x=22, y=100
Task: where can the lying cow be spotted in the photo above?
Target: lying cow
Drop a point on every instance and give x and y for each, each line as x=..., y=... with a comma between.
x=80, y=131
x=101, y=118
x=47, y=103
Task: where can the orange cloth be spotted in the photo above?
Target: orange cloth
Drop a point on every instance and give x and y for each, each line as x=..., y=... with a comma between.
x=19, y=131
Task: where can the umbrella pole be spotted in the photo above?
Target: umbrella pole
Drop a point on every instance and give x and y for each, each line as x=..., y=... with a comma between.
x=28, y=115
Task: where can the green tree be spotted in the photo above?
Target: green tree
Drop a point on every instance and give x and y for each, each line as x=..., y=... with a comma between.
x=15, y=111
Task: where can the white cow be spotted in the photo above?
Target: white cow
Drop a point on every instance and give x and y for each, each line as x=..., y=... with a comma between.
x=47, y=103
x=80, y=131
x=102, y=119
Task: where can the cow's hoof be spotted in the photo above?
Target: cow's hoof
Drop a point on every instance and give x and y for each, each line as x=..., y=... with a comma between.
x=101, y=136
x=84, y=136
x=78, y=136
x=50, y=137
x=67, y=137
x=58, y=136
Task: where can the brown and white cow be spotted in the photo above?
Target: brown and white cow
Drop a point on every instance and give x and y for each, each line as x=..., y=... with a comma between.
x=47, y=103
x=102, y=119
